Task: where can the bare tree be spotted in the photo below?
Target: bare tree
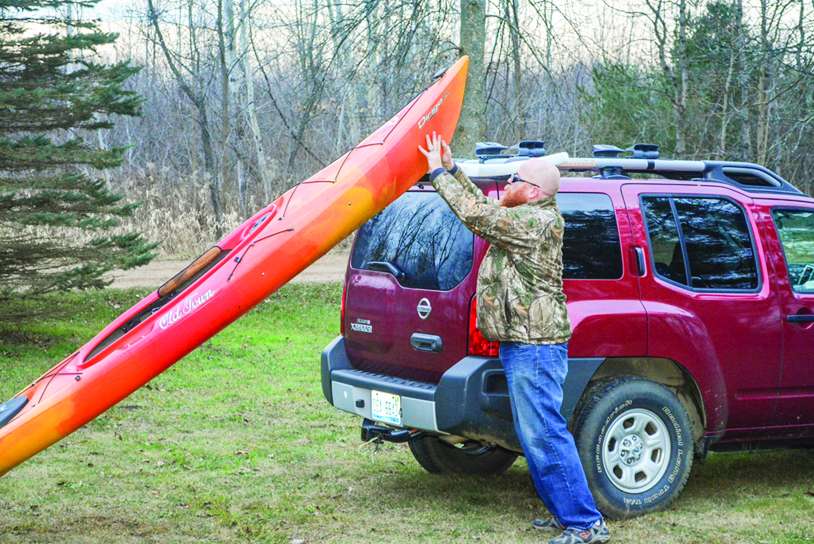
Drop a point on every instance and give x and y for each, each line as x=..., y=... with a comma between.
x=195, y=90
x=249, y=106
x=704, y=78
x=472, y=126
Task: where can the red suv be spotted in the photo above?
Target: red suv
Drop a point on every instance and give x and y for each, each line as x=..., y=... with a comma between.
x=690, y=290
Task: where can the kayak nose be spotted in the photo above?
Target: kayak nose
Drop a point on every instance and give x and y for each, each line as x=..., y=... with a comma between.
x=11, y=408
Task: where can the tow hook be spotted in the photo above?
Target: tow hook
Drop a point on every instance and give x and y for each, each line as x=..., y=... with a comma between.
x=379, y=433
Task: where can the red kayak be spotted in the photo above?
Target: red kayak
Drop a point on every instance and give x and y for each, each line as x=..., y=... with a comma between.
x=245, y=267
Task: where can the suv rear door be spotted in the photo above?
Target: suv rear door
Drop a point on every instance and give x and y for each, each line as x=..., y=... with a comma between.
x=708, y=299
x=409, y=284
x=601, y=286
x=794, y=264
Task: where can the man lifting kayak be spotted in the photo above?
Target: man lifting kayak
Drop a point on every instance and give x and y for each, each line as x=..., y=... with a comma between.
x=521, y=304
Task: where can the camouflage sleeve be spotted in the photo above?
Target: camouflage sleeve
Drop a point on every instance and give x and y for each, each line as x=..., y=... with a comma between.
x=504, y=227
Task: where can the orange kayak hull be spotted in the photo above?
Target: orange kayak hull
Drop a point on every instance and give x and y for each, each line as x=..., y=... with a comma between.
x=245, y=267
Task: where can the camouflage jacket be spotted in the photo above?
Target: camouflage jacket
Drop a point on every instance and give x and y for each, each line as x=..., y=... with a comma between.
x=520, y=296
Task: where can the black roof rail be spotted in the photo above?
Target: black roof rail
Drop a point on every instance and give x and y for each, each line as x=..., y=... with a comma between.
x=749, y=177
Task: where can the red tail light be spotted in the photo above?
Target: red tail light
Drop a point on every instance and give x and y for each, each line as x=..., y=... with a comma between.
x=342, y=309
x=478, y=345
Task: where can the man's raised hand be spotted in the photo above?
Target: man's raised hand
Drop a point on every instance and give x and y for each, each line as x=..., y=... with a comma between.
x=433, y=152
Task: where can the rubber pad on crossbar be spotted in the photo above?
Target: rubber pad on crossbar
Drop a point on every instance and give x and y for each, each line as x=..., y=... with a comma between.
x=11, y=408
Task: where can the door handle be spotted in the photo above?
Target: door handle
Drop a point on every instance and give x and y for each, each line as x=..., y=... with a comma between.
x=640, y=263
x=426, y=342
x=800, y=318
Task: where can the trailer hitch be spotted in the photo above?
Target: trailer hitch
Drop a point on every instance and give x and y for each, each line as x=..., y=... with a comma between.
x=380, y=433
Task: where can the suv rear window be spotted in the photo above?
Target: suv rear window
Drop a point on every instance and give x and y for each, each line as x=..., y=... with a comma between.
x=419, y=239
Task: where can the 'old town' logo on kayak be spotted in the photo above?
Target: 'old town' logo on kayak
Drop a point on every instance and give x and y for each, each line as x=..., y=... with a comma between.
x=186, y=307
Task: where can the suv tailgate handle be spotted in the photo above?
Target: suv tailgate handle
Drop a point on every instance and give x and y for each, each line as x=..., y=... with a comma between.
x=426, y=342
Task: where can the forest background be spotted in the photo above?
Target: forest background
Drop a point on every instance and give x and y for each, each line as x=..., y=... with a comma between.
x=244, y=98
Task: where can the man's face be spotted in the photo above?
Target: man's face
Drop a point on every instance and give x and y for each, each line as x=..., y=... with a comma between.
x=517, y=193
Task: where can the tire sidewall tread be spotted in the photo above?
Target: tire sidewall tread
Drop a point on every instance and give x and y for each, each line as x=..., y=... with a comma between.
x=600, y=406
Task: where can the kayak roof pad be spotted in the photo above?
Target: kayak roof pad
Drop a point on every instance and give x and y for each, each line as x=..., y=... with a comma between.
x=11, y=408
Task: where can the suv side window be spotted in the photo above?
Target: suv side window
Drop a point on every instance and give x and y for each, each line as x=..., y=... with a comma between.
x=796, y=230
x=590, y=249
x=706, y=236
x=665, y=245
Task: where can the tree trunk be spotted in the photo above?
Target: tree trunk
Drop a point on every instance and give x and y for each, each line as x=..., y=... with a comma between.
x=725, y=107
x=519, y=114
x=312, y=76
x=249, y=107
x=801, y=32
x=472, y=126
x=764, y=88
x=198, y=100
x=345, y=67
x=209, y=166
x=225, y=97
x=746, y=96
x=680, y=100
x=234, y=56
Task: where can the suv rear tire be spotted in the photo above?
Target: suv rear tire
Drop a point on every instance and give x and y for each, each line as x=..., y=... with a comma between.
x=635, y=441
x=440, y=457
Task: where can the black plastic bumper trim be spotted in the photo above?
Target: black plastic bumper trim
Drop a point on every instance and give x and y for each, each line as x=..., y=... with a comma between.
x=471, y=399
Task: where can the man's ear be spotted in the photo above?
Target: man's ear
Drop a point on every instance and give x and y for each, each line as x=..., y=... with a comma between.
x=541, y=194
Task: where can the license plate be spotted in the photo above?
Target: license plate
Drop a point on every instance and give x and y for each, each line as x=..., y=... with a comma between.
x=385, y=407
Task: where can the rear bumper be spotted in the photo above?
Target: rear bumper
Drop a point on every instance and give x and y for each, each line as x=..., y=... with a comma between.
x=470, y=400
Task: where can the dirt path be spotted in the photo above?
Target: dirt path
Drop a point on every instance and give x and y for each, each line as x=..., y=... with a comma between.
x=331, y=267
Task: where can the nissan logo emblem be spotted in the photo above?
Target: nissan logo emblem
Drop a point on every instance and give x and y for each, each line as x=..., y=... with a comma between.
x=424, y=308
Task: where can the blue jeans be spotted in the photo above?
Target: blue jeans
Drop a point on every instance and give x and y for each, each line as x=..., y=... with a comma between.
x=535, y=374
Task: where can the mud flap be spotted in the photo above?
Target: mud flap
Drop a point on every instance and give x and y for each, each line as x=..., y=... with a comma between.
x=11, y=408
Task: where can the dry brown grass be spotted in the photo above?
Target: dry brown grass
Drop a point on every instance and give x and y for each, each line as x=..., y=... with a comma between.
x=178, y=214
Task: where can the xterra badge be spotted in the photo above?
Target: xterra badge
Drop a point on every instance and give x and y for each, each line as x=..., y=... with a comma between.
x=362, y=325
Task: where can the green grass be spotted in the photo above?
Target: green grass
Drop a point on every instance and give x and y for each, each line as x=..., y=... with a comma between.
x=236, y=443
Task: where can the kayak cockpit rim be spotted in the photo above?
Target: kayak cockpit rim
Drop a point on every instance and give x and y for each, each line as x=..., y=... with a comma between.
x=179, y=283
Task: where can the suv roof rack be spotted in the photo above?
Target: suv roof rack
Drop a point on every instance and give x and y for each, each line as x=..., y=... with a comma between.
x=748, y=176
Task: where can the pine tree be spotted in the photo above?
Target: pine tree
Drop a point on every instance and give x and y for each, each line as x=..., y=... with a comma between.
x=58, y=222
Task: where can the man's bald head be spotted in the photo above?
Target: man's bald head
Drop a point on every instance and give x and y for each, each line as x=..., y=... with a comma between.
x=542, y=173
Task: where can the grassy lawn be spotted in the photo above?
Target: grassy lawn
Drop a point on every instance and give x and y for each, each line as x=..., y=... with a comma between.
x=236, y=443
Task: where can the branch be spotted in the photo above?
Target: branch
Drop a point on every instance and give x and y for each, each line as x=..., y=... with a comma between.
x=277, y=106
